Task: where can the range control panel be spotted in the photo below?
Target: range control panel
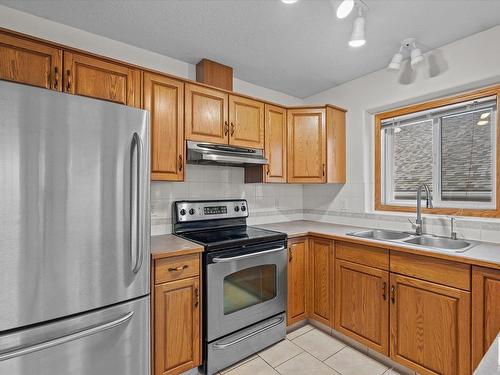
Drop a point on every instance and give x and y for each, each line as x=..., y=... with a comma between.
x=209, y=210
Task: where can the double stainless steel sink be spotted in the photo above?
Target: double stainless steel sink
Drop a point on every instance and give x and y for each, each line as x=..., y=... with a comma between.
x=426, y=240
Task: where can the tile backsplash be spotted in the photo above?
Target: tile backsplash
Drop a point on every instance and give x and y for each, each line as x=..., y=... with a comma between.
x=267, y=202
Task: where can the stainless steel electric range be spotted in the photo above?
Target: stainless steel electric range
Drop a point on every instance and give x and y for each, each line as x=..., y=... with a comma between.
x=244, y=279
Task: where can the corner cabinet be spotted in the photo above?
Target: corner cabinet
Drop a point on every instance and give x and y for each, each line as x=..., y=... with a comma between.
x=307, y=145
x=430, y=326
x=30, y=62
x=485, y=310
x=164, y=99
x=297, y=280
x=103, y=79
x=176, y=315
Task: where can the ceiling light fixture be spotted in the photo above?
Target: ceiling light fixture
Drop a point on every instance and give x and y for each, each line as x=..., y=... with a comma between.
x=416, y=57
x=358, y=38
x=289, y=1
x=345, y=8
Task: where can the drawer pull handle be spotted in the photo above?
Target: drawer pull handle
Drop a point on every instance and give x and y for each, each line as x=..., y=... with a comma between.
x=56, y=78
x=226, y=128
x=384, y=291
x=393, y=294
x=68, y=85
x=232, y=129
x=180, y=163
x=196, y=297
x=180, y=268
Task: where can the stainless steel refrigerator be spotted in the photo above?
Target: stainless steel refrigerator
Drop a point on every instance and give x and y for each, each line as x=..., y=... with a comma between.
x=74, y=235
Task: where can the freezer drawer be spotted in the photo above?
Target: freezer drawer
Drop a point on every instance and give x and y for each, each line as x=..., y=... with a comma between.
x=111, y=341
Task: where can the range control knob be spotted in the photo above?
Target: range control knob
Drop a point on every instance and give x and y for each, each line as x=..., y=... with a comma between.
x=182, y=212
x=243, y=208
x=236, y=208
x=191, y=211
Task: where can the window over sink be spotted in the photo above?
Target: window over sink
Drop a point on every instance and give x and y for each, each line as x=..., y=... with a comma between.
x=449, y=144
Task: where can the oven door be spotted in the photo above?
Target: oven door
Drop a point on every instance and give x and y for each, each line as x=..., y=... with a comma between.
x=244, y=286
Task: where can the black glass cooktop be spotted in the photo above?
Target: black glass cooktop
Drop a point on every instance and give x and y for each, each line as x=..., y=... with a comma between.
x=231, y=237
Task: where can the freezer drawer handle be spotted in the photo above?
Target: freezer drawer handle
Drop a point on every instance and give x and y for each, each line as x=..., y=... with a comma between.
x=239, y=257
x=243, y=338
x=9, y=354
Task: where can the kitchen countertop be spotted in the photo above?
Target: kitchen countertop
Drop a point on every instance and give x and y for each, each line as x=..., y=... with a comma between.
x=490, y=364
x=482, y=254
x=169, y=245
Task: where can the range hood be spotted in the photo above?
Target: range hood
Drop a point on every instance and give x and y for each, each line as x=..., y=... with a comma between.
x=211, y=153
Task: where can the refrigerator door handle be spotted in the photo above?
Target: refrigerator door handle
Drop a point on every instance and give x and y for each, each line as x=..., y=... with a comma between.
x=137, y=208
x=12, y=353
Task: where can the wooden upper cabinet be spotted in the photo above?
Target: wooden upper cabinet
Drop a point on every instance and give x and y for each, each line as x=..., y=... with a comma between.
x=176, y=326
x=297, y=280
x=164, y=99
x=29, y=62
x=101, y=79
x=335, y=145
x=206, y=114
x=246, y=118
x=306, y=145
x=362, y=304
x=430, y=327
x=321, y=267
x=275, y=144
x=485, y=310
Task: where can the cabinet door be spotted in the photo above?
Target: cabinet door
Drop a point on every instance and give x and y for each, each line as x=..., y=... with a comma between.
x=430, y=327
x=164, y=99
x=321, y=270
x=306, y=146
x=485, y=310
x=206, y=114
x=30, y=62
x=101, y=79
x=361, y=304
x=275, y=143
x=246, y=118
x=297, y=280
x=176, y=326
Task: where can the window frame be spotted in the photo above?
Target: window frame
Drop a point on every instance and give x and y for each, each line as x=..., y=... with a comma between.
x=482, y=210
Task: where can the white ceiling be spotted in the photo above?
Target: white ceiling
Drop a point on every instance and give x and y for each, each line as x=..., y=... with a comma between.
x=299, y=49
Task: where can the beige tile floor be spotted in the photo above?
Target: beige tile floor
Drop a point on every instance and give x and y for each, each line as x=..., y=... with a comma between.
x=309, y=350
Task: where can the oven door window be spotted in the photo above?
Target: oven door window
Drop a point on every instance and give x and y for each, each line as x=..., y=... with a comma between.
x=249, y=287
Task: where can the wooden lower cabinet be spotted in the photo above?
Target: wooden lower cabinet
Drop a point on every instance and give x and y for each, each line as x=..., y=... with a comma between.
x=297, y=280
x=485, y=310
x=430, y=327
x=321, y=292
x=362, y=304
x=176, y=314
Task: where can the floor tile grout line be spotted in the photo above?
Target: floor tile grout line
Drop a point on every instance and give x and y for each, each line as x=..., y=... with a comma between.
x=302, y=334
x=338, y=351
x=296, y=355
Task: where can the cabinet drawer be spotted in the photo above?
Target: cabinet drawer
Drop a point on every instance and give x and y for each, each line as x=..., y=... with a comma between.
x=441, y=271
x=363, y=254
x=176, y=268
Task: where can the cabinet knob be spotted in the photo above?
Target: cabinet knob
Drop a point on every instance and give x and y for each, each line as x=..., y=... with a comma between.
x=180, y=163
x=56, y=78
x=68, y=80
x=232, y=129
x=393, y=294
x=384, y=290
x=196, y=297
x=226, y=128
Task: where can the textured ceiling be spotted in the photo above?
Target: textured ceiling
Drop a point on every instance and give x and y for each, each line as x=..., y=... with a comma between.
x=299, y=49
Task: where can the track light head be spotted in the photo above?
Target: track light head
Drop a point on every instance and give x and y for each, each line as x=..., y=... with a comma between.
x=358, y=32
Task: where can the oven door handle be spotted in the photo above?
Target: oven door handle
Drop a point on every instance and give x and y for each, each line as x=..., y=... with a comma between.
x=243, y=338
x=251, y=255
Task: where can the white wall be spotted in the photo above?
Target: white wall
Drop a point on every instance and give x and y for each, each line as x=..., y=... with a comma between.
x=469, y=63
